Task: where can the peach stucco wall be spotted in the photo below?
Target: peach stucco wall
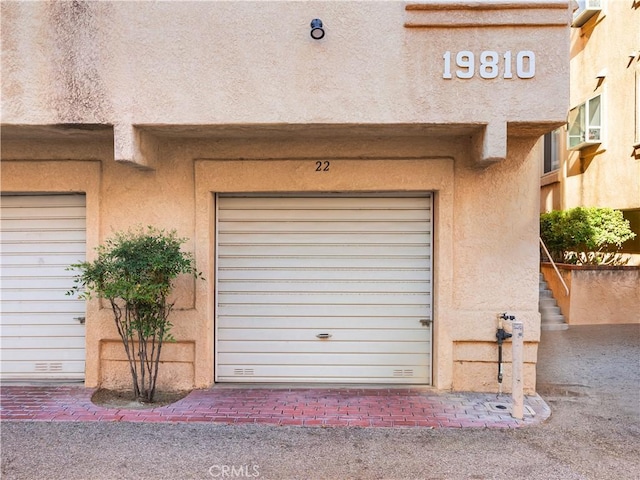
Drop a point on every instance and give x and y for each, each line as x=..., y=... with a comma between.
x=485, y=256
x=606, y=174
x=211, y=63
x=597, y=295
x=209, y=97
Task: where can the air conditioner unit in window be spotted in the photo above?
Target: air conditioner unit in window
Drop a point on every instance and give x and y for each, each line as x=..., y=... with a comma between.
x=586, y=10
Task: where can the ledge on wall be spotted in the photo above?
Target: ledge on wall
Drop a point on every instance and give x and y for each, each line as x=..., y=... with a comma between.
x=484, y=13
x=138, y=145
x=131, y=144
x=490, y=144
x=134, y=146
x=56, y=131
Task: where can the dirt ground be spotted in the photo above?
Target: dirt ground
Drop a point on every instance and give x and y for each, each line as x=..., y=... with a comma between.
x=126, y=399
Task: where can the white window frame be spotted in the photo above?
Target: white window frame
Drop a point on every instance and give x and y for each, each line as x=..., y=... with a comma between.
x=581, y=128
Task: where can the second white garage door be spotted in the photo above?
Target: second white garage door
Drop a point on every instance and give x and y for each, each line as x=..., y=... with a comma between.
x=324, y=289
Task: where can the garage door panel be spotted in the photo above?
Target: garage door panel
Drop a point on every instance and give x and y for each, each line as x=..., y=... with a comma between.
x=43, y=370
x=306, y=298
x=326, y=310
x=48, y=235
x=407, y=374
x=322, y=215
x=43, y=294
x=242, y=335
x=40, y=202
x=28, y=272
x=36, y=224
x=357, y=268
x=60, y=330
x=255, y=275
x=44, y=282
x=42, y=306
x=316, y=286
x=328, y=238
x=29, y=356
x=286, y=350
x=321, y=201
x=35, y=319
x=33, y=248
x=342, y=227
x=15, y=216
x=333, y=249
x=374, y=263
x=318, y=323
x=328, y=358
x=42, y=235
x=56, y=259
x=44, y=342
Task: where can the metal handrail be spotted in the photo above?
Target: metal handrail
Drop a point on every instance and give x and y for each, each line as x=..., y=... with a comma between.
x=566, y=289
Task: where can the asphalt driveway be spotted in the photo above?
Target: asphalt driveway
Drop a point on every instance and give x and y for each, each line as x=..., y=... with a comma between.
x=590, y=376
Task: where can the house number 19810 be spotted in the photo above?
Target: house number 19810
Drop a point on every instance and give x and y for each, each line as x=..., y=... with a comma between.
x=489, y=64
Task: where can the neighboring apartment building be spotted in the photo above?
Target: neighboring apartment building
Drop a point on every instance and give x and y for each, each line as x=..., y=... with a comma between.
x=363, y=205
x=598, y=162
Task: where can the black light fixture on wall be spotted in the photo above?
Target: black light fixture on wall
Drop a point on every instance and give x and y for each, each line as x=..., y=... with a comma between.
x=317, y=32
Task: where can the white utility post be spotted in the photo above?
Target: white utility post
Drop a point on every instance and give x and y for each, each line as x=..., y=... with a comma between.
x=517, y=354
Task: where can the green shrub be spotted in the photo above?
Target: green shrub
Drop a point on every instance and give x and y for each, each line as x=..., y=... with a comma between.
x=585, y=235
x=135, y=272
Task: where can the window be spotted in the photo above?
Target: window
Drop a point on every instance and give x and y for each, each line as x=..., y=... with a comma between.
x=585, y=124
x=553, y=148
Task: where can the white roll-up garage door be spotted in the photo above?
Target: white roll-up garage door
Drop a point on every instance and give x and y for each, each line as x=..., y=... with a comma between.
x=324, y=289
x=42, y=335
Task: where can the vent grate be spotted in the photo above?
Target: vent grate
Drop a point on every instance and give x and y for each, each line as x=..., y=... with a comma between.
x=48, y=367
x=403, y=373
x=243, y=372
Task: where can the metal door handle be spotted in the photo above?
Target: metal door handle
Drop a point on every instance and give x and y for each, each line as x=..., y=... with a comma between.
x=426, y=322
x=323, y=335
x=80, y=319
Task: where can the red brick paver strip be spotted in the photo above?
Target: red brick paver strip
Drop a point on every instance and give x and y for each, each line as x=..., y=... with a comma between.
x=317, y=407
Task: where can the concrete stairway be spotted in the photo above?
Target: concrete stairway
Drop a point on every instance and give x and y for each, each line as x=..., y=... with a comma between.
x=550, y=315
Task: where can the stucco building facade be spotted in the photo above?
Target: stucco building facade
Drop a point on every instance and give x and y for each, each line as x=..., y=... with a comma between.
x=598, y=162
x=363, y=206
